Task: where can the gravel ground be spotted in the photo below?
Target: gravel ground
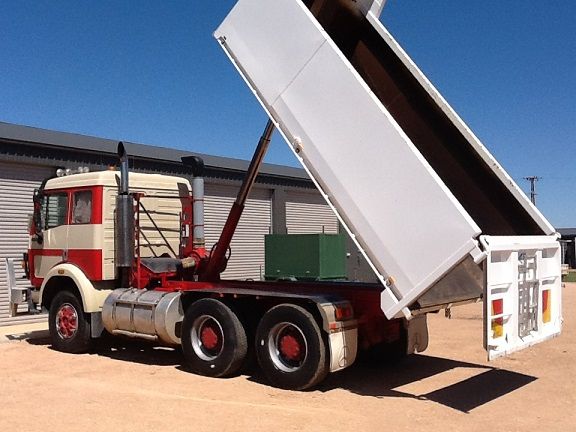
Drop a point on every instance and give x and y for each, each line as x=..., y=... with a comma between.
x=126, y=386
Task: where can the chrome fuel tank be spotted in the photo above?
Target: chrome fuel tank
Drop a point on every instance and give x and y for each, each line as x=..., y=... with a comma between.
x=143, y=313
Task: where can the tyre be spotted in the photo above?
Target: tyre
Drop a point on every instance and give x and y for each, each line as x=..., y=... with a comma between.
x=290, y=348
x=213, y=339
x=69, y=326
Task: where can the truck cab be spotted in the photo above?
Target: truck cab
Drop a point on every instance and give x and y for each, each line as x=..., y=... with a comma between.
x=73, y=236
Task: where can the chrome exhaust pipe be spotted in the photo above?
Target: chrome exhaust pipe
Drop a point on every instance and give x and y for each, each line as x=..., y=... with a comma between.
x=124, y=233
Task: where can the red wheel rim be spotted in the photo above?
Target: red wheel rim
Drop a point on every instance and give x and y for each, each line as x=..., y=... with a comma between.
x=291, y=348
x=66, y=321
x=207, y=337
x=287, y=347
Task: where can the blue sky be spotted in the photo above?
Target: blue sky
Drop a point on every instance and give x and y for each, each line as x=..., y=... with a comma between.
x=150, y=72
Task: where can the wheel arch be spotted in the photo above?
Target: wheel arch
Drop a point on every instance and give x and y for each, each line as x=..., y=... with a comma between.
x=69, y=277
x=55, y=285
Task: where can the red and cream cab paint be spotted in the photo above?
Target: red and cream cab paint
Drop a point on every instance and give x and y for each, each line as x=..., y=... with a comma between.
x=75, y=236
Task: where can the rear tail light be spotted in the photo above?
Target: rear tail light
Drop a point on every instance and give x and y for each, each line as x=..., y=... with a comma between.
x=546, y=309
x=498, y=320
x=343, y=312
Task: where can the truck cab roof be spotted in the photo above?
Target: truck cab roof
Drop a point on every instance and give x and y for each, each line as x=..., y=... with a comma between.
x=112, y=178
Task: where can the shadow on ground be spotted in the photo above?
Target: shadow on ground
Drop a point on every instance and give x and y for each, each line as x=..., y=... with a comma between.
x=134, y=351
x=36, y=337
x=363, y=379
x=464, y=396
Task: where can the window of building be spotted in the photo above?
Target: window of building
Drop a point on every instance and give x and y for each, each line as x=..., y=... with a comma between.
x=82, y=210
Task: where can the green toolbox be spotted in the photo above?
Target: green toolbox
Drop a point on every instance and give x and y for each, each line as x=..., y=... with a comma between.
x=305, y=256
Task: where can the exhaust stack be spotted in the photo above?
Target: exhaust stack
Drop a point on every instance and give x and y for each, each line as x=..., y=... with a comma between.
x=196, y=166
x=124, y=222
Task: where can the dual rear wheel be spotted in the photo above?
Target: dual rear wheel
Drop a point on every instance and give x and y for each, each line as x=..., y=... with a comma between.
x=289, y=345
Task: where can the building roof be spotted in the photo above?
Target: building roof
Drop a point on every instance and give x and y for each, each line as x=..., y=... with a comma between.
x=567, y=232
x=28, y=142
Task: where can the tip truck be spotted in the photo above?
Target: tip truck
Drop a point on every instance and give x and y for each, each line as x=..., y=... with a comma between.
x=434, y=214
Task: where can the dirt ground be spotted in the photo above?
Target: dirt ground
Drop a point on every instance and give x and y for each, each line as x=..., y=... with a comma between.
x=133, y=386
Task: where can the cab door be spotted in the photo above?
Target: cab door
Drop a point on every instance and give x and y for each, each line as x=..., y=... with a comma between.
x=86, y=232
x=50, y=246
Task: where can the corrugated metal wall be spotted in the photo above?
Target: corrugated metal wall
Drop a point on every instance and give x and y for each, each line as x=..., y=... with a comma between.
x=247, y=261
x=17, y=184
x=308, y=213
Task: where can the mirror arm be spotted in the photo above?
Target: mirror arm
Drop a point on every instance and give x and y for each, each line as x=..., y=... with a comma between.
x=37, y=218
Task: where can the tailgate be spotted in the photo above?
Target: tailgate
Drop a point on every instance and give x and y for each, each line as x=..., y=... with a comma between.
x=523, y=299
x=367, y=168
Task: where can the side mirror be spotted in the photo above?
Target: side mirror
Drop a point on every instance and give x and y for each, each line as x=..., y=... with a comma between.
x=36, y=228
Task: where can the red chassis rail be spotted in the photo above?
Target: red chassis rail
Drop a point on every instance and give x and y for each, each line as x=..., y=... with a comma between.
x=373, y=326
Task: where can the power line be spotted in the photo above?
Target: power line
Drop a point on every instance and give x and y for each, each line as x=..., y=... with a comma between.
x=533, y=180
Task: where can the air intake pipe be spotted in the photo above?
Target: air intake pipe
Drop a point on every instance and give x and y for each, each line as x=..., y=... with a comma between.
x=195, y=165
x=198, y=211
x=124, y=222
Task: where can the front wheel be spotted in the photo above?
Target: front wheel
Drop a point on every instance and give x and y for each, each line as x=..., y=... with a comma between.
x=290, y=348
x=213, y=339
x=68, y=324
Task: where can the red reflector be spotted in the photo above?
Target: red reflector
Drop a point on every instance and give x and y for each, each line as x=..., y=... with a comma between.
x=497, y=323
x=498, y=307
x=343, y=312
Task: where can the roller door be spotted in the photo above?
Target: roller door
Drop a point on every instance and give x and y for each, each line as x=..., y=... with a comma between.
x=308, y=213
x=247, y=261
x=17, y=184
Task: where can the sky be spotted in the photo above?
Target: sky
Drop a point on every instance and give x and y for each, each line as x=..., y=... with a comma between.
x=150, y=72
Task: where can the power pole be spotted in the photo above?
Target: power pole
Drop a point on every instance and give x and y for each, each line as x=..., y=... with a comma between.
x=533, y=180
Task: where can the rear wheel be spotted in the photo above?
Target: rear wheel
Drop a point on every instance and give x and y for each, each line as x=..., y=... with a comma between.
x=213, y=339
x=68, y=324
x=290, y=348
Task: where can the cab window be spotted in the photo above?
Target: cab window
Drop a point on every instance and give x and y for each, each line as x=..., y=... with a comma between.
x=54, y=210
x=82, y=207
